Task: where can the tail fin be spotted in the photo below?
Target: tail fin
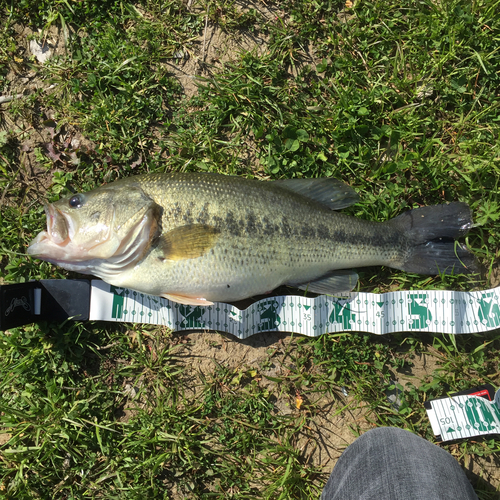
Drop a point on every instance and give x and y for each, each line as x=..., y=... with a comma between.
x=431, y=233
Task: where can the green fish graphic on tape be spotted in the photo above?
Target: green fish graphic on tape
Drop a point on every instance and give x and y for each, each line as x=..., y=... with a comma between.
x=489, y=311
x=199, y=238
x=481, y=414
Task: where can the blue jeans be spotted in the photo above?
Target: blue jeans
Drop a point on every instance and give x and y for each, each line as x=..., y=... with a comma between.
x=393, y=464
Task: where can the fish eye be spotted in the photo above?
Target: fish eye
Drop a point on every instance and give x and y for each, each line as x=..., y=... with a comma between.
x=76, y=201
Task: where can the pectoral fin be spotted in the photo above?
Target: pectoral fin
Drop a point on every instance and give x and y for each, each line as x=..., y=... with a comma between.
x=188, y=242
x=331, y=283
x=188, y=301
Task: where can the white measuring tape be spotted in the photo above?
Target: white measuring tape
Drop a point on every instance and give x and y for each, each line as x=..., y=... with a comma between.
x=434, y=311
x=474, y=412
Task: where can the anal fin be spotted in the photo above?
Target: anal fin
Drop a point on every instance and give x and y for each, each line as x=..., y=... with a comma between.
x=331, y=283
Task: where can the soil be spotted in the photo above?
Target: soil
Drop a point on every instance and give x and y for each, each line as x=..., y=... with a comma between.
x=268, y=354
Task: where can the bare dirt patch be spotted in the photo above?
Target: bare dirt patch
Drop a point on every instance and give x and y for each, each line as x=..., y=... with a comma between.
x=4, y=438
x=25, y=125
x=36, y=49
x=217, y=46
x=337, y=418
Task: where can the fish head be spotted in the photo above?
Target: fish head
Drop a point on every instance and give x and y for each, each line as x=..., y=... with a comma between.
x=109, y=223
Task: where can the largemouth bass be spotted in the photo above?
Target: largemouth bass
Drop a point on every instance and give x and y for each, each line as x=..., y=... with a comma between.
x=199, y=238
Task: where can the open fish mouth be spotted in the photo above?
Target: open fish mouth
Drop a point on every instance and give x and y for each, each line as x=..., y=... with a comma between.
x=50, y=244
x=62, y=240
x=57, y=225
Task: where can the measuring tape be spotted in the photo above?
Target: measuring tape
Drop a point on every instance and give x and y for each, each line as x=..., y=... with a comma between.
x=473, y=412
x=433, y=311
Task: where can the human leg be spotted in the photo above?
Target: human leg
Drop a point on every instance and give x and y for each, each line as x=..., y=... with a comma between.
x=393, y=464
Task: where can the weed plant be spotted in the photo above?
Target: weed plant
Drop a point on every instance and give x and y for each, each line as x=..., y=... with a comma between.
x=398, y=99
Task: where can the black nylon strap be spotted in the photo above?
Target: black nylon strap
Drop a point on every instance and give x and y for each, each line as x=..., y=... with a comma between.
x=56, y=300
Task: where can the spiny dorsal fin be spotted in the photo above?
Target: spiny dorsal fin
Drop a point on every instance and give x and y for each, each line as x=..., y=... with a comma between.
x=188, y=242
x=329, y=192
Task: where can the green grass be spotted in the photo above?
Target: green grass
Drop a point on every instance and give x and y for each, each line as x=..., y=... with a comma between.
x=399, y=99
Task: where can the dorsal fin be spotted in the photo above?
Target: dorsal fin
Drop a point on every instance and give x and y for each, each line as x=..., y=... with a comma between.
x=332, y=193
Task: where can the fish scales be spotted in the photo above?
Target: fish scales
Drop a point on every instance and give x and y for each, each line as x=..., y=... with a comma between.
x=266, y=240
x=208, y=237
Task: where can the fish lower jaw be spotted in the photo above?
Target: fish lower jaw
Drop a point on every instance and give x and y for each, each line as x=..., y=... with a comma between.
x=40, y=247
x=43, y=248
